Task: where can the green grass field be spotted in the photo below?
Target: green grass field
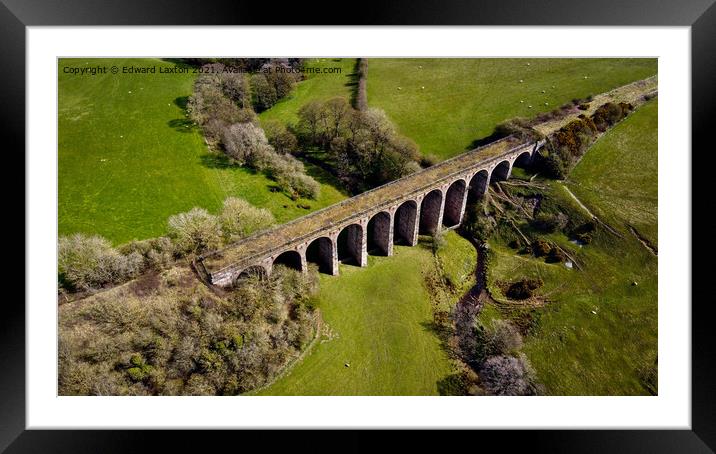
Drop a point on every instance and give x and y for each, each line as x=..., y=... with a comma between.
x=618, y=178
x=599, y=333
x=128, y=161
x=464, y=99
x=381, y=329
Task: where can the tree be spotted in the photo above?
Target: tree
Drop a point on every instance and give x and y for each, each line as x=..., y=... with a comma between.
x=264, y=93
x=502, y=337
x=508, y=376
x=87, y=262
x=335, y=115
x=280, y=138
x=239, y=218
x=236, y=87
x=244, y=142
x=309, y=118
x=195, y=231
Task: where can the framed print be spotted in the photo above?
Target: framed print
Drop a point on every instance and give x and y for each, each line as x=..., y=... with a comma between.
x=479, y=221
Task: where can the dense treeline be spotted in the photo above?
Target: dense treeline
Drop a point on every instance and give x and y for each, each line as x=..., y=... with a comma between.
x=167, y=334
x=90, y=262
x=361, y=95
x=363, y=145
x=223, y=105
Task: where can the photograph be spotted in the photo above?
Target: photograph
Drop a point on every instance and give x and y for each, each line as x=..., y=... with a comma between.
x=357, y=226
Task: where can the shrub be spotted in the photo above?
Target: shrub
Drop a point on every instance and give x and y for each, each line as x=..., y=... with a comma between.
x=541, y=247
x=609, y=114
x=239, y=218
x=195, y=231
x=508, y=376
x=502, y=337
x=87, y=262
x=155, y=253
x=299, y=184
x=438, y=241
x=556, y=256
x=549, y=223
x=477, y=224
x=523, y=289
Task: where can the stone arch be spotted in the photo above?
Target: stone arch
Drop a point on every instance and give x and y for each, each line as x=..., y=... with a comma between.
x=251, y=272
x=350, y=244
x=379, y=234
x=501, y=172
x=289, y=259
x=523, y=160
x=478, y=185
x=430, y=212
x=320, y=251
x=404, y=223
x=454, y=203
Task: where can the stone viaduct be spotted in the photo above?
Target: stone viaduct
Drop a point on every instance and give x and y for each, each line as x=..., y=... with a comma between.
x=372, y=222
x=397, y=212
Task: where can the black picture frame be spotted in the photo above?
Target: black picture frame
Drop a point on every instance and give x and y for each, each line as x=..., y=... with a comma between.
x=700, y=15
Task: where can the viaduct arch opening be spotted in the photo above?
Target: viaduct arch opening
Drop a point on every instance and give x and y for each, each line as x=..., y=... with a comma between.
x=478, y=185
x=252, y=272
x=454, y=199
x=320, y=252
x=430, y=212
x=524, y=160
x=501, y=172
x=289, y=259
x=404, y=223
x=379, y=234
x=350, y=244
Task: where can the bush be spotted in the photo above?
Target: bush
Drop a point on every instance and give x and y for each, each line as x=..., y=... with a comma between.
x=609, y=114
x=195, y=231
x=477, y=224
x=508, y=376
x=549, y=223
x=502, y=337
x=556, y=256
x=89, y=262
x=438, y=241
x=541, y=247
x=239, y=218
x=523, y=289
x=299, y=184
x=155, y=253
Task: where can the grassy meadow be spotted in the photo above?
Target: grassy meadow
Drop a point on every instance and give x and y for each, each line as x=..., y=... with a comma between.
x=598, y=333
x=446, y=104
x=381, y=329
x=129, y=159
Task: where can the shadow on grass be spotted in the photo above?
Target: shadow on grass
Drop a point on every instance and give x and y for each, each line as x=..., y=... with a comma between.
x=322, y=175
x=221, y=161
x=353, y=79
x=182, y=124
x=496, y=135
x=453, y=384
